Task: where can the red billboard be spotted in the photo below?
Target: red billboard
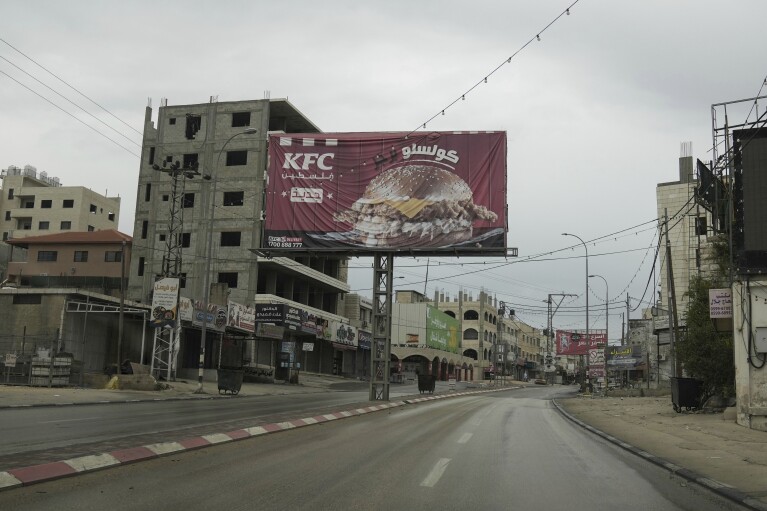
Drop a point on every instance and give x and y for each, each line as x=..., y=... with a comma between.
x=573, y=342
x=387, y=192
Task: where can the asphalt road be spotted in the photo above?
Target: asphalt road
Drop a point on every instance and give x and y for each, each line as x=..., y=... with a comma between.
x=498, y=451
x=42, y=434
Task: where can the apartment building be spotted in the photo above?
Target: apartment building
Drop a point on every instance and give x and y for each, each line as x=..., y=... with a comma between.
x=33, y=204
x=221, y=148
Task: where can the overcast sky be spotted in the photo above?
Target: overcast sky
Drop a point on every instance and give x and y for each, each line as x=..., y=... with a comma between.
x=595, y=111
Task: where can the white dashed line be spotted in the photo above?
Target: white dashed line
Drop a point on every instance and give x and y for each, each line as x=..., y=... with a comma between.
x=436, y=472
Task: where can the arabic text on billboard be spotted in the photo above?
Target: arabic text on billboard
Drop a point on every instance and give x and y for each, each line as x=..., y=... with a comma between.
x=384, y=191
x=574, y=343
x=623, y=357
x=441, y=330
x=215, y=315
x=164, y=303
x=242, y=317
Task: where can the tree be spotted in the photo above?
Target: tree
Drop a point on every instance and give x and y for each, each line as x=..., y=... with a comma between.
x=705, y=353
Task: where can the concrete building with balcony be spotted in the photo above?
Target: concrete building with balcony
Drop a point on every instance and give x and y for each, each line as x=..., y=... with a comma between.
x=83, y=260
x=33, y=204
x=219, y=140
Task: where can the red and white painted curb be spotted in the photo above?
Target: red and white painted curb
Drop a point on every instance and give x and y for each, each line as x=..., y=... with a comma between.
x=48, y=471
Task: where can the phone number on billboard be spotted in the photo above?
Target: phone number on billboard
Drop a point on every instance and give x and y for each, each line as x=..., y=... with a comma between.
x=284, y=242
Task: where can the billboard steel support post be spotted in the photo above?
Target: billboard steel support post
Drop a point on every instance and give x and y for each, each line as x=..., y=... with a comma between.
x=588, y=337
x=380, y=350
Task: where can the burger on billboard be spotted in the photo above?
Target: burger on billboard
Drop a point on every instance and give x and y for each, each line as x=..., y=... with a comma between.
x=387, y=191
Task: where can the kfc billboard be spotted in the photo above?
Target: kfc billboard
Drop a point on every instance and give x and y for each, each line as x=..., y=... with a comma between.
x=574, y=342
x=387, y=191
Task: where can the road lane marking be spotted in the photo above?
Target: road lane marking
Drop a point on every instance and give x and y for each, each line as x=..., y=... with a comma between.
x=465, y=438
x=436, y=472
x=68, y=420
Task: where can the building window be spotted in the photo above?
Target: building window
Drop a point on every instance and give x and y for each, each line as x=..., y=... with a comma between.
x=141, y=263
x=151, y=155
x=46, y=204
x=229, y=278
x=240, y=119
x=93, y=208
x=234, y=158
x=191, y=161
x=230, y=239
x=234, y=198
x=91, y=228
x=700, y=226
x=148, y=192
x=162, y=237
x=144, y=229
x=111, y=217
x=81, y=256
x=28, y=205
x=68, y=203
x=169, y=158
x=5, y=236
x=172, y=121
x=188, y=201
x=471, y=334
x=26, y=226
x=112, y=256
x=193, y=123
x=165, y=198
x=7, y=215
x=47, y=255
x=182, y=280
x=10, y=193
x=186, y=239
x=65, y=225
x=43, y=225
x=27, y=299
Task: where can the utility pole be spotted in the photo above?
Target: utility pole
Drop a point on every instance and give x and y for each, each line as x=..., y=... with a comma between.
x=121, y=316
x=550, y=325
x=673, y=323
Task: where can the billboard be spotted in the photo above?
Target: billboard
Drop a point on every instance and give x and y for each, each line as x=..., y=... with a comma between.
x=242, y=317
x=442, y=331
x=574, y=342
x=368, y=192
x=164, y=303
x=280, y=314
x=343, y=334
x=623, y=357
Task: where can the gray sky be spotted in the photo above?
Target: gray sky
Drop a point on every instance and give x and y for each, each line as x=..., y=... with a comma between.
x=595, y=111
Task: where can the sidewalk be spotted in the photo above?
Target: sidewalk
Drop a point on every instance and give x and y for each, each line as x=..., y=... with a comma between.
x=698, y=444
x=17, y=396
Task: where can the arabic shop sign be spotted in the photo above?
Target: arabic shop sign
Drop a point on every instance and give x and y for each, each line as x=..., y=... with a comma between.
x=280, y=314
x=441, y=330
x=720, y=303
x=623, y=357
x=164, y=303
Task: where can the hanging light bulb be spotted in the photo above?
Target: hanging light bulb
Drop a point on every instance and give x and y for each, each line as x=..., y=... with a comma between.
x=486, y=79
x=443, y=112
x=567, y=11
x=538, y=37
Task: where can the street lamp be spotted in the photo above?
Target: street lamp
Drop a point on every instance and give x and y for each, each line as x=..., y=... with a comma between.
x=607, y=321
x=588, y=338
x=208, y=249
x=607, y=308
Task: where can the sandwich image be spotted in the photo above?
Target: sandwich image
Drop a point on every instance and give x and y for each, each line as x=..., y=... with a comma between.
x=414, y=205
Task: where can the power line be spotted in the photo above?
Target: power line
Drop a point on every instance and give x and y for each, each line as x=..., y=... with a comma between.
x=71, y=115
x=462, y=97
x=68, y=85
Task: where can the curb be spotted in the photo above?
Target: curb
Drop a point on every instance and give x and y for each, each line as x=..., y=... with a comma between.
x=25, y=476
x=721, y=489
x=120, y=402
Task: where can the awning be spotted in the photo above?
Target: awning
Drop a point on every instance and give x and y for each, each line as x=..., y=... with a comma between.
x=339, y=346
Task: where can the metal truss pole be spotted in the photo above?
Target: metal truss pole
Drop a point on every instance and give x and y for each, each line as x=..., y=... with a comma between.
x=380, y=350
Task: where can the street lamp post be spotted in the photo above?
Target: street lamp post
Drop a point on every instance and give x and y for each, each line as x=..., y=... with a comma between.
x=607, y=320
x=588, y=338
x=208, y=251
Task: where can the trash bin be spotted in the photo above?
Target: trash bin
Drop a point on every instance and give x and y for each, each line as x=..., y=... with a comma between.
x=426, y=383
x=685, y=393
x=230, y=380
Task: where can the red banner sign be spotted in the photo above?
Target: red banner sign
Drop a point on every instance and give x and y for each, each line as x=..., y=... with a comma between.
x=574, y=342
x=387, y=191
